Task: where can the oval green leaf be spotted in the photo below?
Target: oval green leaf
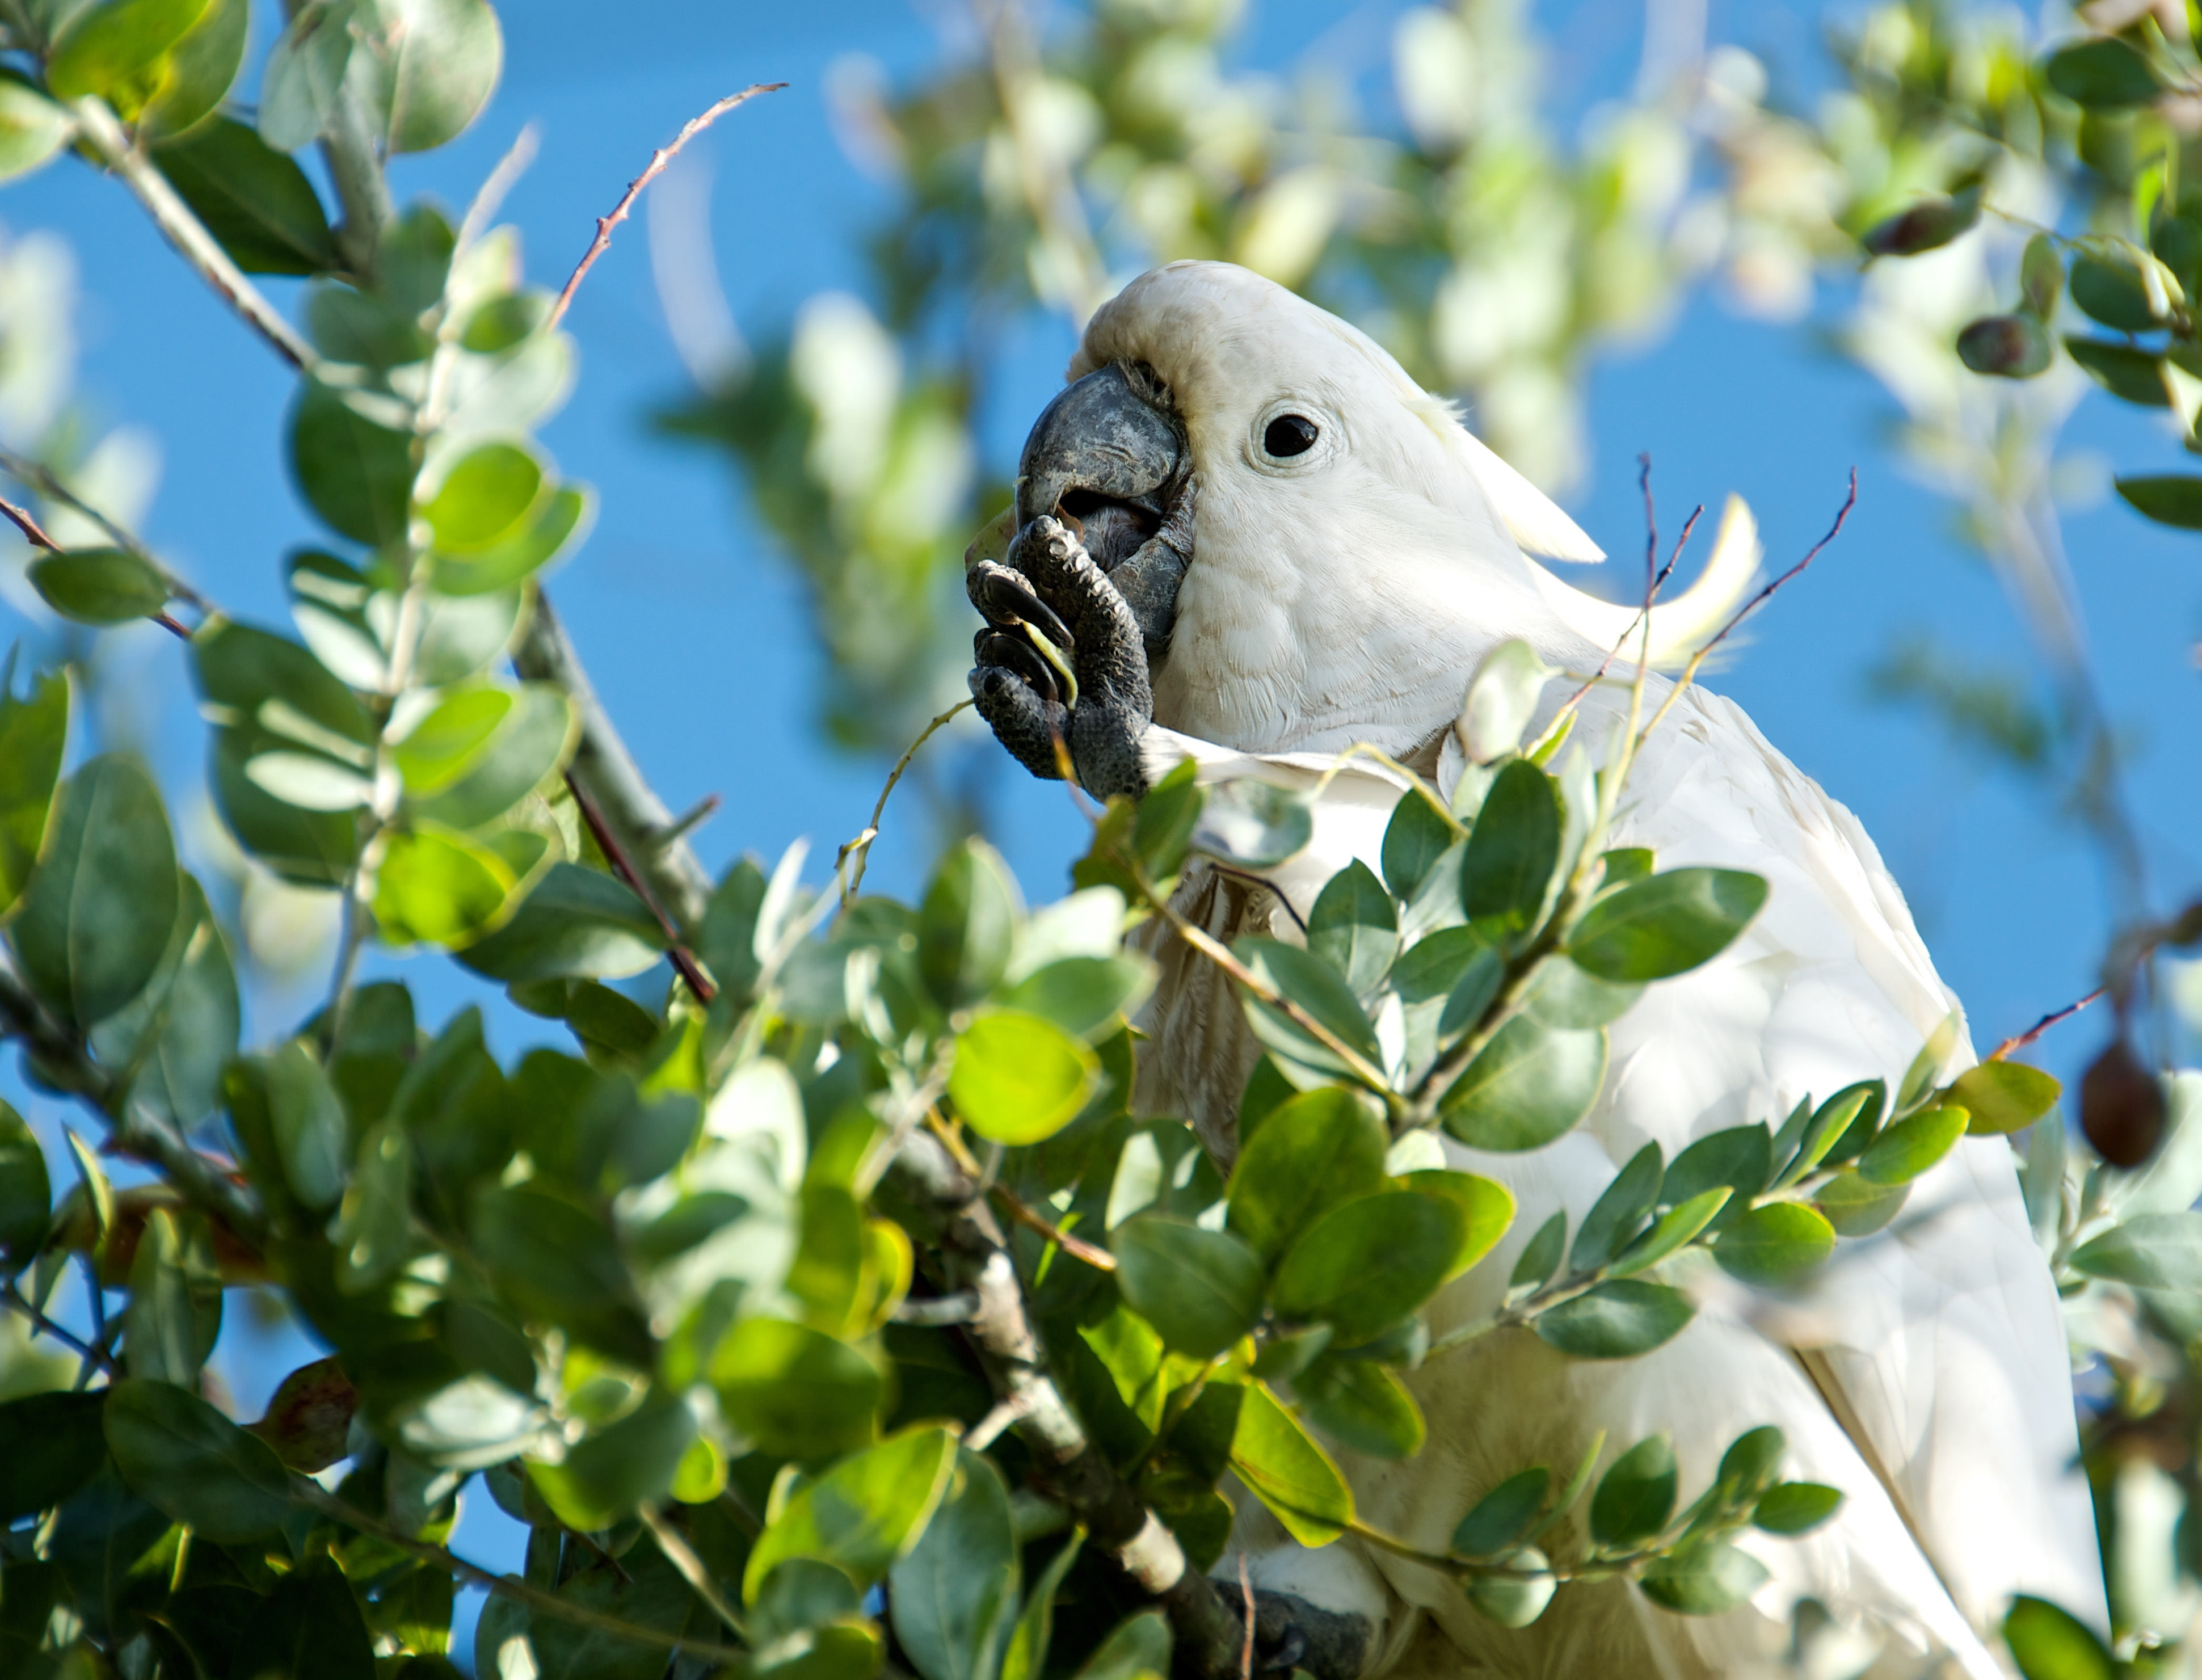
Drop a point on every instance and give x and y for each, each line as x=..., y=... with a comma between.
x=1774, y=1244
x=1666, y=925
x=1526, y=1086
x=180, y=1454
x=1019, y=1078
x=1367, y=1264
x=1200, y=1289
x=1616, y=1320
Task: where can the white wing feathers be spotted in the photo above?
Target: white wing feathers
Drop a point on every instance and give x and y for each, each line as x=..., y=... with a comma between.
x=1926, y=1374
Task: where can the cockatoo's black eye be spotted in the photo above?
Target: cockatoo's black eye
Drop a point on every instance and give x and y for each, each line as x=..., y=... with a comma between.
x=1290, y=435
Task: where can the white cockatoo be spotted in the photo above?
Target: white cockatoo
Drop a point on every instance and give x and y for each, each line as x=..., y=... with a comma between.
x=1281, y=547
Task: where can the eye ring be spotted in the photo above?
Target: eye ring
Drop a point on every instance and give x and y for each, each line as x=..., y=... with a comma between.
x=1310, y=432
x=1288, y=435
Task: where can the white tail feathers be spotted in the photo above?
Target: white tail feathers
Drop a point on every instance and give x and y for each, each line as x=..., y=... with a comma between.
x=1684, y=623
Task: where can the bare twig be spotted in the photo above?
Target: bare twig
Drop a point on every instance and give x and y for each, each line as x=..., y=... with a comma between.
x=1100, y=1259
x=1246, y=1591
x=658, y=160
x=499, y=182
x=13, y=1299
x=49, y=484
x=683, y=959
x=103, y=131
x=2020, y=1040
x=860, y=848
x=33, y=532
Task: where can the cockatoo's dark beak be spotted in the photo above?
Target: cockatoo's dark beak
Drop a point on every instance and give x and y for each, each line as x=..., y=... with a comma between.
x=1108, y=453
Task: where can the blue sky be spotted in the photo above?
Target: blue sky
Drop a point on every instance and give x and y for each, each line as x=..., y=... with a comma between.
x=696, y=636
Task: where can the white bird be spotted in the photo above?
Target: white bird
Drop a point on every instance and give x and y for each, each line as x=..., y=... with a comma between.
x=1304, y=550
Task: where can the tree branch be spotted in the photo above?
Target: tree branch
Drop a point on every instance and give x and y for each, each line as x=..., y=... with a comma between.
x=635, y=816
x=1077, y=1473
x=103, y=132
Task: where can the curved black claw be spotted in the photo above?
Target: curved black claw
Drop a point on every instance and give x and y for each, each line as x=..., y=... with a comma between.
x=1051, y=587
x=1290, y=1633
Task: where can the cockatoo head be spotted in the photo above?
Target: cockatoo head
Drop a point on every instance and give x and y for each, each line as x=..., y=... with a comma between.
x=1317, y=551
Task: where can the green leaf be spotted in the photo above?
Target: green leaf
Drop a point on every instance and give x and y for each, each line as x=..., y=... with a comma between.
x=1514, y=1601
x=1317, y=987
x=2048, y=1643
x=70, y=1448
x=1857, y=1207
x=1416, y=837
x=1321, y=1148
x=1084, y=995
x=865, y=1513
x=374, y=1232
x=530, y=746
x=1620, y=1212
x=1866, y=1112
x=427, y=67
x=1284, y=1468
x=1526, y=1086
x=1704, y=1580
x=32, y=128
x=952, y=1597
x=484, y=497
x=2169, y=498
x=1200, y=1289
x=96, y=918
x=558, y=1264
x=967, y=925
x=1794, y=1507
x=304, y=77
x=1667, y=925
x=2102, y=74
x=607, y=1473
x=1911, y=1147
x=1502, y=1516
x=200, y=69
x=257, y=203
x=1563, y=996
x=437, y=889
x=1774, y=1244
x=1927, y=226
x=356, y=472
x=2006, y=347
x=2111, y=292
x=1438, y=964
x=2151, y=1251
x=1360, y=1403
x=308, y=1122
x=576, y=923
x=98, y=585
x=1502, y=698
x=1163, y=822
x=184, y=1457
x=177, y=1035
x=444, y=744
x=2005, y=1095
x=309, y=1417
x=1137, y=1649
x=26, y=1194
x=1616, y=1320
x=1367, y=1264
x=1540, y=1256
x=1353, y=927
x=1026, y=1656
x=1675, y=1227
x=1019, y=1079
x=2126, y=371
x=1635, y=1496
x=1741, y=1158
x=796, y=1393
x=2041, y=273
x=33, y=734
x=109, y=43
x=558, y=523
x=1252, y=824
x=174, y=1313
x=1485, y=1205
x=1512, y=852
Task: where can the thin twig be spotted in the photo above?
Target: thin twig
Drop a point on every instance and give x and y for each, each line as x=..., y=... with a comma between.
x=658, y=160
x=682, y=1556
x=2043, y=1025
x=860, y=848
x=33, y=531
x=103, y=131
x=1077, y=1247
x=688, y=822
x=683, y=959
x=1247, y=1591
x=498, y=182
x=91, y=1351
x=311, y=1493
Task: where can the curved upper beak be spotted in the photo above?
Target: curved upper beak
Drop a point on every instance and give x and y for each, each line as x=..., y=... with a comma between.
x=1101, y=437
